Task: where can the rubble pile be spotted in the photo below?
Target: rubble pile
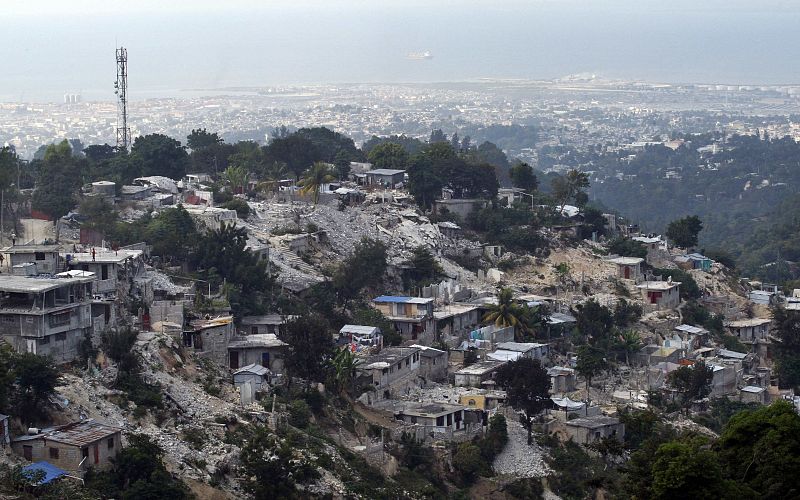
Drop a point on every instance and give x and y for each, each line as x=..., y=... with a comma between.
x=517, y=458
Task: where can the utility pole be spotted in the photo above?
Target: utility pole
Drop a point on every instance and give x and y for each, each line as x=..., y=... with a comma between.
x=121, y=89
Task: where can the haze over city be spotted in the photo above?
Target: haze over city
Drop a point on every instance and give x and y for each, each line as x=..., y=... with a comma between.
x=51, y=47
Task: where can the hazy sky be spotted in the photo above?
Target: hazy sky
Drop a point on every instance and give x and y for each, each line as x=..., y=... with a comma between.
x=48, y=47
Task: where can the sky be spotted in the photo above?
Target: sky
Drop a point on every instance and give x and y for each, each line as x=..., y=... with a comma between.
x=49, y=47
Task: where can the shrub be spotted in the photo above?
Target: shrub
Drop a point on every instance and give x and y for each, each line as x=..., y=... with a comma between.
x=299, y=414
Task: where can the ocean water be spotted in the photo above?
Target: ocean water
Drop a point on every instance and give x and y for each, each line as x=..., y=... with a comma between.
x=44, y=56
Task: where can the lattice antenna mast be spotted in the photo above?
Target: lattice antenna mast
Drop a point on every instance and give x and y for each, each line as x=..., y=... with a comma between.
x=121, y=89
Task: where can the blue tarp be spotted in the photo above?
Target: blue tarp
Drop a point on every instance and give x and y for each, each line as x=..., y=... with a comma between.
x=391, y=298
x=50, y=471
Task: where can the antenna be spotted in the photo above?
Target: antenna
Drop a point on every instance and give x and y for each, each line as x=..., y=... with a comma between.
x=121, y=89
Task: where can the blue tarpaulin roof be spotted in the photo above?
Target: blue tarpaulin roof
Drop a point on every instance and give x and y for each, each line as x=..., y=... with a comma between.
x=50, y=471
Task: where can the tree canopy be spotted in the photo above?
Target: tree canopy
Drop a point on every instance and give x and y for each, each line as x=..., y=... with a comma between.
x=684, y=232
x=527, y=386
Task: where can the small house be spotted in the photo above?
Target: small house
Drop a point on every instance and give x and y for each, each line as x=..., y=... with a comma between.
x=267, y=323
x=265, y=349
x=461, y=207
x=433, y=363
x=482, y=399
x=393, y=370
x=249, y=380
x=73, y=447
x=46, y=257
x=434, y=417
x=562, y=379
x=361, y=336
x=753, y=394
x=587, y=430
x=661, y=295
x=457, y=319
x=412, y=317
x=209, y=338
x=477, y=374
x=750, y=330
x=629, y=268
x=565, y=409
x=694, y=261
x=449, y=229
x=512, y=351
x=384, y=177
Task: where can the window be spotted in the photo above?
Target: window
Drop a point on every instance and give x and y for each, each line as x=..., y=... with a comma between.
x=104, y=272
x=54, y=453
x=44, y=340
x=111, y=443
x=407, y=361
x=84, y=452
x=39, y=255
x=61, y=336
x=59, y=319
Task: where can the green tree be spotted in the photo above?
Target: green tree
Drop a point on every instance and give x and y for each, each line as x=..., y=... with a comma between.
x=527, y=387
x=295, y=151
x=344, y=365
x=687, y=469
x=522, y=176
x=310, y=347
x=683, y=232
x=626, y=313
x=158, y=154
x=594, y=322
x=388, y=155
x=223, y=254
x=342, y=164
x=423, y=268
x=202, y=139
x=569, y=187
x=506, y=313
x=591, y=362
x=468, y=462
x=627, y=248
x=138, y=473
x=629, y=342
x=760, y=447
x=172, y=234
x=369, y=316
x=787, y=350
x=36, y=378
x=236, y=177
x=313, y=181
x=364, y=268
x=58, y=180
x=692, y=383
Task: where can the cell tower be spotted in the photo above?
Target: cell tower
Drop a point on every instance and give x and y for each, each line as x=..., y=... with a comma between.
x=121, y=89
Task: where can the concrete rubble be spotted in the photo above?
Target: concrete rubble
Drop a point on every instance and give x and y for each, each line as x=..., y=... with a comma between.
x=518, y=458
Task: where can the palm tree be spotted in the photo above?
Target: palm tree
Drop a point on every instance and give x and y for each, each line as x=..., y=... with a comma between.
x=236, y=176
x=273, y=175
x=629, y=342
x=345, y=366
x=507, y=313
x=319, y=174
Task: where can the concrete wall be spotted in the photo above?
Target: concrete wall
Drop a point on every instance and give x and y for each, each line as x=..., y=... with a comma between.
x=433, y=369
x=70, y=456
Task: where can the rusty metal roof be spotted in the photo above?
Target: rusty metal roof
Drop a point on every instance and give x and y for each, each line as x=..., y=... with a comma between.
x=79, y=434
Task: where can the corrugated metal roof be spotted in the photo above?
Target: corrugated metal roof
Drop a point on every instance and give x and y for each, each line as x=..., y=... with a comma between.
x=79, y=434
x=49, y=470
x=252, y=368
x=359, y=329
